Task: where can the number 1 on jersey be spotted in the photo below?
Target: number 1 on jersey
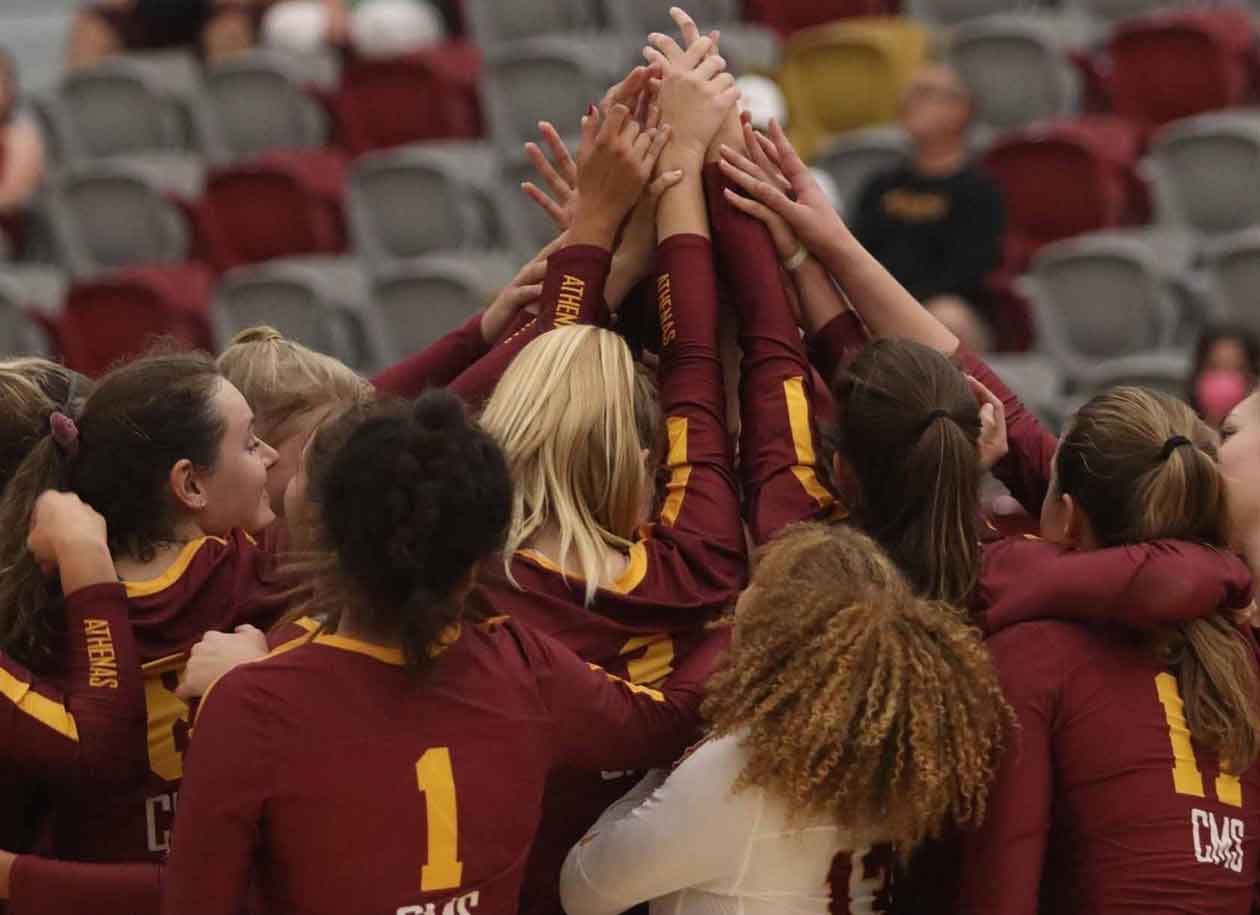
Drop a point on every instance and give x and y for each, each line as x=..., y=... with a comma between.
x=436, y=779
x=1187, y=779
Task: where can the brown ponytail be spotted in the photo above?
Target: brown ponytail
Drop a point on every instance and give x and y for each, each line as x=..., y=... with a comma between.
x=909, y=429
x=1143, y=467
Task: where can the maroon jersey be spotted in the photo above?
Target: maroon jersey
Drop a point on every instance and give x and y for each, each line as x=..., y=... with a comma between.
x=214, y=583
x=1104, y=801
x=357, y=788
x=686, y=566
x=70, y=734
x=778, y=435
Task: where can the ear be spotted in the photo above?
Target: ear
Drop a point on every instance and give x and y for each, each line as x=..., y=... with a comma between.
x=1076, y=527
x=186, y=486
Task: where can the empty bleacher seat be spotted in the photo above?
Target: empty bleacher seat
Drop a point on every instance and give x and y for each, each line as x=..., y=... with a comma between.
x=1100, y=297
x=526, y=227
x=954, y=12
x=20, y=335
x=550, y=79
x=1180, y=63
x=790, y=16
x=273, y=206
x=1063, y=179
x=494, y=22
x=257, y=104
x=848, y=74
x=1016, y=70
x=117, y=214
x=427, y=95
x=1206, y=171
x=416, y=200
x=320, y=302
x=1231, y=271
x=117, y=108
x=425, y=298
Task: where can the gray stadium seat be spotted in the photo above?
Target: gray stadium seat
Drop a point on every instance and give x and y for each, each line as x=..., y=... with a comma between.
x=1099, y=297
x=856, y=156
x=1206, y=171
x=547, y=79
x=257, y=104
x=423, y=299
x=1016, y=70
x=19, y=335
x=1164, y=370
x=116, y=214
x=1034, y=377
x=494, y=21
x=419, y=199
x=955, y=12
x=39, y=287
x=320, y=302
x=118, y=108
x=1232, y=277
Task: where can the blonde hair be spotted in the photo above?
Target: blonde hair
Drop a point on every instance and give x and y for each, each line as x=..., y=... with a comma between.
x=1142, y=466
x=565, y=415
x=283, y=380
x=855, y=698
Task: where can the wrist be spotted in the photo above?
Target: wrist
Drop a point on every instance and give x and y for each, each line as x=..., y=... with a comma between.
x=595, y=228
x=687, y=158
x=6, y=873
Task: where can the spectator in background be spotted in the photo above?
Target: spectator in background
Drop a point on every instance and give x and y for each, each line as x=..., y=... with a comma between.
x=936, y=223
x=21, y=156
x=372, y=28
x=219, y=28
x=1226, y=367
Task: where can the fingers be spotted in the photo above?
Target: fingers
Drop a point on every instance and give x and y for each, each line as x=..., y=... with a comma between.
x=984, y=395
x=543, y=166
x=697, y=52
x=549, y=206
x=663, y=183
x=185, y=691
x=656, y=58
x=248, y=629
x=670, y=50
x=590, y=130
x=759, y=190
x=560, y=152
x=757, y=153
x=516, y=296
x=659, y=140
x=711, y=67
x=533, y=272
x=653, y=117
x=768, y=147
x=686, y=25
x=628, y=89
x=751, y=207
x=789, y=161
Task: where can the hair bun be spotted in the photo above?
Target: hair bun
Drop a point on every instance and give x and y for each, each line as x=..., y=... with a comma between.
x=439, y=411
x=260, y=334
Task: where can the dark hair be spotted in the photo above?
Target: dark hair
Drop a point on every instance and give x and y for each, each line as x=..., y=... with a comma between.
x=1143, y=467
x=142, y=419
x=1211, y=336
x=407, y=500
x=31, y=389
x=908, y=429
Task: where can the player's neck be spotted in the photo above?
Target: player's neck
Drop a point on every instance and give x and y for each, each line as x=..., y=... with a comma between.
x=154, y=563
x=547, y=539
x=349, y=627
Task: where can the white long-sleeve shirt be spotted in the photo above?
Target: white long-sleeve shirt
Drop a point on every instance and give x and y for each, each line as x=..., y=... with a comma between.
x=692, y=847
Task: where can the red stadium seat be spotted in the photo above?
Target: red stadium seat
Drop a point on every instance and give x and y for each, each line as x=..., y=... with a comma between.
x=788, y=16
x=1177, y=63
x=118, y=315
x=428, y=95
x=1063, y=178
x=242, y=202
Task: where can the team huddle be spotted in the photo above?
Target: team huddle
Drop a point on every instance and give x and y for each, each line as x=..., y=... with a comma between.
x=664, y=580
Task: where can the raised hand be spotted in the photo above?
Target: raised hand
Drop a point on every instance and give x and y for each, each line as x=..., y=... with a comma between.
x=615, y=163
x=993, y=444
x=786, y=244
x=524, y=290
x=811, y=215
x=730, y=132
x=561, y=177
x=696, y=95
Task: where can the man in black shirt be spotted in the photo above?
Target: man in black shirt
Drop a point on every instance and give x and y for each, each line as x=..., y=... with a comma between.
x=936, y=223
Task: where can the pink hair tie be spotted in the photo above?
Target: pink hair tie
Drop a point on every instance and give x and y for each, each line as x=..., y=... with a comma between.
x=65, y=433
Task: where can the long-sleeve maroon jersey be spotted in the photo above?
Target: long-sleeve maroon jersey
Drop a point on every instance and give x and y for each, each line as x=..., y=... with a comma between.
x=778, y=435
x=1104, y=803
x=355, y=788
x=686, y=567
x=69, y=734
x=214, y=583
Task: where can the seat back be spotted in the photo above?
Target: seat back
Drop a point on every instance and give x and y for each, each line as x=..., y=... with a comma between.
x=1207, y=173
x=494, y=22
x=259, y=106
x=115, y=109
x=1016, y=72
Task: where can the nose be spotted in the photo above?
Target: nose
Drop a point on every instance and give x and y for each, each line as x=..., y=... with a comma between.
x=269, y=455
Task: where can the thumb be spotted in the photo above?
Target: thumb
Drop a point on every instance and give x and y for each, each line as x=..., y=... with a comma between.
x=247, y=628
x=183, y=691
x=663, y=183
x=987, y=415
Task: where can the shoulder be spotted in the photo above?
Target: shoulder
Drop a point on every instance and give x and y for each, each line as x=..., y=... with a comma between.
x=1039, y=658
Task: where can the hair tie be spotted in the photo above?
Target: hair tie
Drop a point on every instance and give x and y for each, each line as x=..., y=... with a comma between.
x=65, y=433
x=1172, y=445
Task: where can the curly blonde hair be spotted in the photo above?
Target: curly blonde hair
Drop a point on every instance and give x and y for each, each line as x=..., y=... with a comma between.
x=853, y=697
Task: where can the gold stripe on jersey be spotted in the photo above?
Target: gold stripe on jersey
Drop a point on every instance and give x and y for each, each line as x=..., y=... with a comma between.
x=630, y=579
x=654, y=694
x=173, y=573
x=676, y=488
x=803, y=441
x=46, y=711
